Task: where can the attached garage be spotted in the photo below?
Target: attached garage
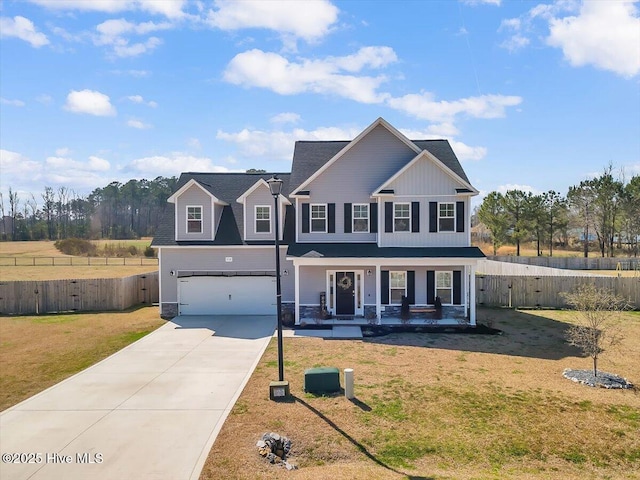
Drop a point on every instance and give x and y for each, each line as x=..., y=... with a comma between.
x=220, y=295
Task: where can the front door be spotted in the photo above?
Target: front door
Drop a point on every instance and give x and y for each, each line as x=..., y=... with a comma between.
x=345, y=293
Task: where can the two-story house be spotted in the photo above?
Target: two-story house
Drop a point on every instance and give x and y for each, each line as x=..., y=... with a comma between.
x=363, y=223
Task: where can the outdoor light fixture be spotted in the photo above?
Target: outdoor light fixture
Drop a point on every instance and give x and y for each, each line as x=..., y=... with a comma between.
x=278, y=390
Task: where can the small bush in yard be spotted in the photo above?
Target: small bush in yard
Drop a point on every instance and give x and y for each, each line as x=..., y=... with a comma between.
x=149, y=252
x=76, y=246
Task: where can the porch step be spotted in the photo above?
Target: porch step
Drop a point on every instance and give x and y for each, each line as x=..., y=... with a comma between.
x=342, y=332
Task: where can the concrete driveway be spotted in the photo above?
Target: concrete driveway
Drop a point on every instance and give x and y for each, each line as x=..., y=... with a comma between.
x=150, y=411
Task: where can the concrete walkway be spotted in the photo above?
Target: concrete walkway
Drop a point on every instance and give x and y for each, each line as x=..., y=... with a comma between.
x=150, y=411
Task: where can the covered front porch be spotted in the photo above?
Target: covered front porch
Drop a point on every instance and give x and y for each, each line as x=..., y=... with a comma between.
x=419, y=290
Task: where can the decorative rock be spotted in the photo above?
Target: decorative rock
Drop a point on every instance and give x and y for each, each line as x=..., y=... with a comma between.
x=261, y=444
x=603, y=380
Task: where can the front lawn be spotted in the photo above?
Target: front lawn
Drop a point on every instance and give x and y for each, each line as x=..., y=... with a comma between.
x=39, y=351
x=445, y=406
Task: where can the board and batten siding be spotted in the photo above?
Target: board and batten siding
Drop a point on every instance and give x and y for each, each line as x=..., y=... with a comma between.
x=352, y=179
x=261, y=196
x=423, y=237
x=243, y=259
x=194, y=196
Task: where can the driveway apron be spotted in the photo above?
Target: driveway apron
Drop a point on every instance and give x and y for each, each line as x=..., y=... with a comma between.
x=150, y=411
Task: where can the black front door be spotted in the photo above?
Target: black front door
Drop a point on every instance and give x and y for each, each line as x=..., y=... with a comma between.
x=345, y=293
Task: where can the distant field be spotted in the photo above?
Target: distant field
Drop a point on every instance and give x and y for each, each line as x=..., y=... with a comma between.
x=46, y=248
x=42, y=261
x=528, y=251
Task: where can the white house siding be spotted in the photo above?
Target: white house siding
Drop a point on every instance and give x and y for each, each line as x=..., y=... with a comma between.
x=423, y=237
x=194, y=196
x=427, y=177
x=353, y=178
x=213, y=259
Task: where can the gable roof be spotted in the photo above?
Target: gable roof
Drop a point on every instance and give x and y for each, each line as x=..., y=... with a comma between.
x=226, y=188
x=379, y=122
x=262, y=183
x=186, y=186
x=309, y=156
x=429, y=156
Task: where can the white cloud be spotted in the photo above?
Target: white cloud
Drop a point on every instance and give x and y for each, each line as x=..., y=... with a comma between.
x=17, y=169
x=424, y=106
x=467, y=152
x=140, y=99
x=604, y=34
x=278, y=145
x=44, y=99
x=22, y=28
x=309, y=20
x=514, y=186
x=515, y=42
x=132, y=73
x=112, y=33
x=63, y=152
x=285, y=117
x=168, y=8
x=194, y=143
x=255, y=68
x=90, y=102
x=140, y=125
x=173, y=164
x=482, y=2
x=14, y=103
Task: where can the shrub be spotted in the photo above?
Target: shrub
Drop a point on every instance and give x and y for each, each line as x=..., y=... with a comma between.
x=149, y=252
x=76, y=246
x=133, y=251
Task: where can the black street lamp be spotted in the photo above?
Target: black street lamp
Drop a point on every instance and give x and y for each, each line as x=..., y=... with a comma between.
x=278, y=390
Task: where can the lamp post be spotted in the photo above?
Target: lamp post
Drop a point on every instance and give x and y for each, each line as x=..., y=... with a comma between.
x=278, y=390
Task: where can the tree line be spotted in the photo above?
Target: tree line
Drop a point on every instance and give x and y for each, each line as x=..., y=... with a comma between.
x=117, y=211
x=604, y=211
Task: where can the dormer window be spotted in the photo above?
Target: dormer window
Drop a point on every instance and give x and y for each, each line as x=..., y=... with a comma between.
x=194, y=219
x=263, y=219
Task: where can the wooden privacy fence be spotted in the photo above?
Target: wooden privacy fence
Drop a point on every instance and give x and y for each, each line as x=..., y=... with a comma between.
x=544, y=292
x=47, y=296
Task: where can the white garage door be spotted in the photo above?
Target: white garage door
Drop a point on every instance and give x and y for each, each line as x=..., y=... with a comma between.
x=227, y=295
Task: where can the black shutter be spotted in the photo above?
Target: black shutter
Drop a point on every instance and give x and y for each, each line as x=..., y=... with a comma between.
x=384, y=287
x=460, y=217
x=373, y=217
x=431, y=287
x=411, y=286
x=457, y=287
x=305, y=218
x=331, y=218
x=433, y=216
x=415, y=217
x=347, y=218
x=388, y=217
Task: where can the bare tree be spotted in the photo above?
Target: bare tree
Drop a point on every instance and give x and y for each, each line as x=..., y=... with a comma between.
x=597, y=309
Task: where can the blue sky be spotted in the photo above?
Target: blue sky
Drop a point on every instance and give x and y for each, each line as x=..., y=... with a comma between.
x=535, y=95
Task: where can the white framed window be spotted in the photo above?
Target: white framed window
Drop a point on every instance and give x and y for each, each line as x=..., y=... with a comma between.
x=318, y=218
x=194, y=218
x=401, y=217
x=360, y=218
x=397, y=287
x=444, y=287
x=446, y=217
x=263, y=218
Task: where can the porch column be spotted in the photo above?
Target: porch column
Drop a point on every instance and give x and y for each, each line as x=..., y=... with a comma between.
x=466, y=275
x=297, y=292
x=472, y=295
x=378, y=297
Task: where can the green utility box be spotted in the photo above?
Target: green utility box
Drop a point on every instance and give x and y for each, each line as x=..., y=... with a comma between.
x=322, y=380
